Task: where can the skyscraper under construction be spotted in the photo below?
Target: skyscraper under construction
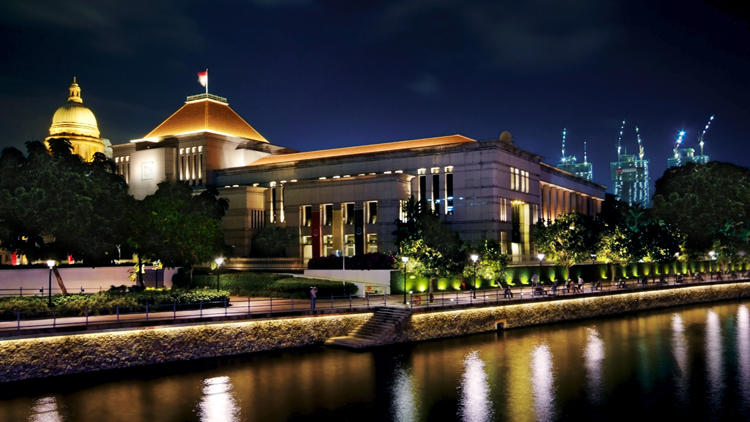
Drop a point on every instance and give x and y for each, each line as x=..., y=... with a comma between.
x=630, y=178
x=570, y=164
x=683, y=155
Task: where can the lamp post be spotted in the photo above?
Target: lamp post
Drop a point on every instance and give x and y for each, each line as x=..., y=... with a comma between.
x=540, y=256
x=474, y=258
x=50, y=264
x=218, y=261
x=404, y=259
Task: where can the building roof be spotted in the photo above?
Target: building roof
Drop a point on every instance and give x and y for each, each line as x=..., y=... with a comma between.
x=205, y=113
x=365, y=149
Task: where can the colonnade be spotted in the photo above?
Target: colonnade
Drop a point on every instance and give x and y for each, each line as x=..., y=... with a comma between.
x=556, y=200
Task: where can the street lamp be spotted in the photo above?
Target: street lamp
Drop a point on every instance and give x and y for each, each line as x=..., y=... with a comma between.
x=218, y=261
x=404, y=259
x=50, y=264
x=540, y=256
x=474, y=258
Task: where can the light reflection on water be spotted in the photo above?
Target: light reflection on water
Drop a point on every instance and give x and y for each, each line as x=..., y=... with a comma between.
x=475, y=405
x=743, y=354
x=680, y=353
x=218, y=403
x=593, y=361
x=45, y=410
x=405, y=407
x=714, y=359
x=543, y=383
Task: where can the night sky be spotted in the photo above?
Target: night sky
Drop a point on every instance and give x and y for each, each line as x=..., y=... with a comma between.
x=312, y=75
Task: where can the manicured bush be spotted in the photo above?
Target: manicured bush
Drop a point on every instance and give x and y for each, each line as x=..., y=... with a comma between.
x=275, y=285
x=107, y=303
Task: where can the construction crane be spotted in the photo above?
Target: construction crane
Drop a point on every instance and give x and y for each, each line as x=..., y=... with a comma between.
x=564, y=133
x=705, y=129
x=619, y=138
x=641, y=152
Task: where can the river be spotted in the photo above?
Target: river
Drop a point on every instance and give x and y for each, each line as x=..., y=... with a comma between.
x=682, y=364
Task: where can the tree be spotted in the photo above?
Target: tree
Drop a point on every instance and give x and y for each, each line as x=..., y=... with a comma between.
x=491, y=262
x=568, y=240
x=271, y=241
x=176, y=227
x=53, y=204
x=433, y=248
x=709, y=203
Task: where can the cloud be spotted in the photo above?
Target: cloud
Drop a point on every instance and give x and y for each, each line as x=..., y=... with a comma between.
x=109, y=26
x=534, y=34
x=427, y=85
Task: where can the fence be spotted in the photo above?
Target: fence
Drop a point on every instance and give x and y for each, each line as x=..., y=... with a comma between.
x=12, y=323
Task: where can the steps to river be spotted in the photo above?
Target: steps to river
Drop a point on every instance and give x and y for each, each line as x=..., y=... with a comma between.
x=384, y=327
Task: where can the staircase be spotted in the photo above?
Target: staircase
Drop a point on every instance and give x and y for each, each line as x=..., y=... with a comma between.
x=383, y=328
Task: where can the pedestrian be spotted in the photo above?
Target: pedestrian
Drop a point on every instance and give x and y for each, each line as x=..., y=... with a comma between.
x=580, y=284
x=313, y=296
x=507, y=293
x=534, y=279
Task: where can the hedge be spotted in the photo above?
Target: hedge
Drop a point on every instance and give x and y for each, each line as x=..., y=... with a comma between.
x=521, y=275
x=275, y=285
x=106, y=303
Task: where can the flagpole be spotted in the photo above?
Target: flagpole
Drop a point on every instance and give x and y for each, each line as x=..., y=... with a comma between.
x=206, y=81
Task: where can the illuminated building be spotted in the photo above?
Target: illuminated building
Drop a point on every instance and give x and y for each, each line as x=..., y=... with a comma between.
x=350, y=198
x=630, y=178
x=77, y=123
x=570, y=163
x=682, y=155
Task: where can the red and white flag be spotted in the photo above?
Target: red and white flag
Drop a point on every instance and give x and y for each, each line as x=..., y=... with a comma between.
x=203, y=77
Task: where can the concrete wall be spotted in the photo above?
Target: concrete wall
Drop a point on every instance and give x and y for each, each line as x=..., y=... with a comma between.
x=63, y=355
x=90, y=279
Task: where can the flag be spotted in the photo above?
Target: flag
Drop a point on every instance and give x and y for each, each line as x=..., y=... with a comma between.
x=203, y=77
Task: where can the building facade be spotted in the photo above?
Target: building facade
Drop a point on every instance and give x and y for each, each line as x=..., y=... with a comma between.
x=630, y=177
x=349, y=199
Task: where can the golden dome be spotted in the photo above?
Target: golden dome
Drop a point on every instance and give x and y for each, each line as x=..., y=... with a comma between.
x=73, y=118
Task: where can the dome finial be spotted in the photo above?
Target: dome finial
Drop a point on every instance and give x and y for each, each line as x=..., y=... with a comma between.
x=74, y=92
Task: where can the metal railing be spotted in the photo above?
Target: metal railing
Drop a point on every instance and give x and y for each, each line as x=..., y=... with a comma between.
x=13, y=323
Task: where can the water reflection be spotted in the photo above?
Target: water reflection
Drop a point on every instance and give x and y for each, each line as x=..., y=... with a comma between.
x=743, y=353
x=475, y=403
x=218, y=403
x=593, y=359
x=542, y=382
x=713, y=357
x=679, y=351
x=404, y=401
x=45, y=410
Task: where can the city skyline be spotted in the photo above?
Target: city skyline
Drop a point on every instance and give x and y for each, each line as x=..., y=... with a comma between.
x=325, y=75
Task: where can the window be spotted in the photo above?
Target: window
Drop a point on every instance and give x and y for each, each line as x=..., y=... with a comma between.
x=349, y=244
x=503, y=209
x=519, y=180
x=306, y=215
x=372, y=243
x=435, y=191
x=327, y=214
x=449, y=190
x=327, y=245
x=281, y=203
x=402, y=210
x=422, y=185
x=273, y=202
x=372, y=212
x=348, y=213
x=307, y=240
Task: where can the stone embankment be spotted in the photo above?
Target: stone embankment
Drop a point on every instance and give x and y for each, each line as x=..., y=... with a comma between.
x=30, y=358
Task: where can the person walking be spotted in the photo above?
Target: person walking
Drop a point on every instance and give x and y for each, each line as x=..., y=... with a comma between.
x=580, y=284
x=313, y=296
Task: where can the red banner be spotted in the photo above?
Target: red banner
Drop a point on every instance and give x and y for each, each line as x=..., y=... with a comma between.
x=315, y=231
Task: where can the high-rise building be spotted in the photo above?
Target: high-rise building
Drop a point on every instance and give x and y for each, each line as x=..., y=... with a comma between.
x=570, y=163
x=630, y=178
x=683, y=155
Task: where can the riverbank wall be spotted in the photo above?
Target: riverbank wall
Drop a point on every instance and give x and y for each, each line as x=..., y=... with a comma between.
x=30, y=358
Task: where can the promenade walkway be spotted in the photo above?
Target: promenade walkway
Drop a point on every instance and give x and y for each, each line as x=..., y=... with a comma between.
x=240, y=308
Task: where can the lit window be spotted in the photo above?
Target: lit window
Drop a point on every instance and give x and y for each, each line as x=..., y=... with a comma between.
x=200, y=149
x=519, y=180
x=372, y=212
x=348, y=209
x=449, y=190
x=503, y=209
x=372, y=242
x=349, y=247
x=327, y=214
x=306, y=215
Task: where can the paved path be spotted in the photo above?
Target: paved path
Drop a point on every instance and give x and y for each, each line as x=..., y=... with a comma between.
x=243, y=307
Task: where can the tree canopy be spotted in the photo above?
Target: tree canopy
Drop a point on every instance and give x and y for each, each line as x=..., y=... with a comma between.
x=568, y=240
x=709, y=202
